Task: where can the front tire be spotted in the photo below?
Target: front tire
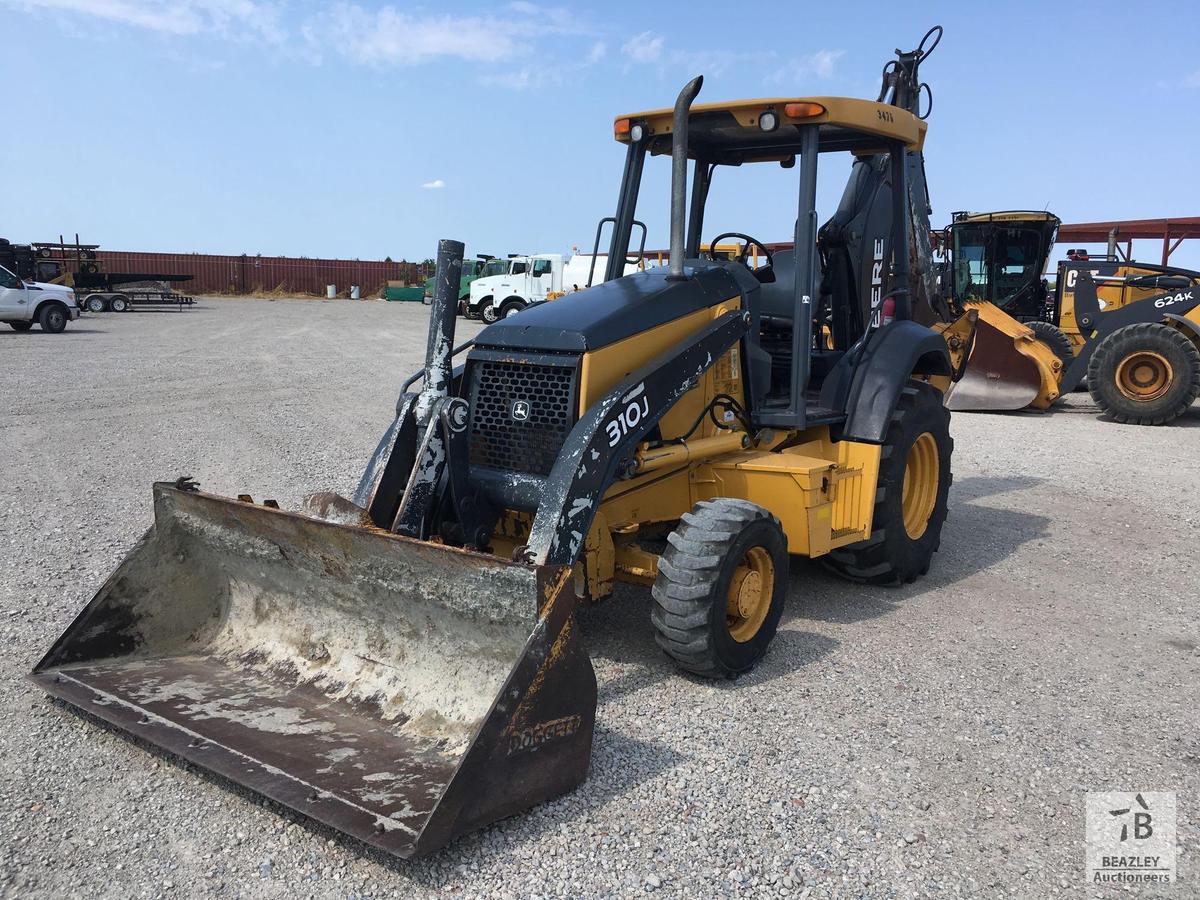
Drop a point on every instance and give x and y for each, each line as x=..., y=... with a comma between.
x=96, y=304
x=911, y=497
x=53, y=318
x=511, y=308
x=1145, y=374
x=488, y=313
x=721, y=587
x=20, y=326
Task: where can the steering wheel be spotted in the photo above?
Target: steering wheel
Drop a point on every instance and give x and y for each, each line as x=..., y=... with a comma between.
x=747, y=242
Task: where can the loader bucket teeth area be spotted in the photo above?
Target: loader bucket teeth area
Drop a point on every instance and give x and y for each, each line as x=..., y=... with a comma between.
x=401, y=692
x=1009, y=368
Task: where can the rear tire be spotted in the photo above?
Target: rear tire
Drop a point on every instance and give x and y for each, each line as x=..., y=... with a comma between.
x=1145, y=374
x=720, y=588
x=1053, y=337
x=118, y=303
x=96, y=304
x=53, y=318
x=20, y=326
x=911, y=497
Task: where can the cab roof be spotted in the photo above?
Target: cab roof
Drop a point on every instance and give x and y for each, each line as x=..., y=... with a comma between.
x=729, y=133
x=1010, y=215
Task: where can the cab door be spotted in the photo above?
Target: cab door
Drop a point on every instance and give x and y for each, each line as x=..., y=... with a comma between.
x=541, y=278
x=14, y=299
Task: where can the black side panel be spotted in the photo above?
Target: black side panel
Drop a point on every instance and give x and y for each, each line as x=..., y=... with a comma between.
x=612, y=311
x=867, y=381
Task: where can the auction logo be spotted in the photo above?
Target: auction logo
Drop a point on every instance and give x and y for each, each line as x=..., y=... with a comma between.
x=1131, y=837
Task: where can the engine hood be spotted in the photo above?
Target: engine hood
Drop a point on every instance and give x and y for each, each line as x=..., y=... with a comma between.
x=606, y=313
x=64, y=293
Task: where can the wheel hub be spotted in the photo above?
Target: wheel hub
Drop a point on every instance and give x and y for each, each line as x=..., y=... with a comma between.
x=922, y=473
x=750, y=593
x=1144, y=376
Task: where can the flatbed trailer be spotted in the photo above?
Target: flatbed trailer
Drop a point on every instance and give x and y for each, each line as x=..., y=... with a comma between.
x=121, y=291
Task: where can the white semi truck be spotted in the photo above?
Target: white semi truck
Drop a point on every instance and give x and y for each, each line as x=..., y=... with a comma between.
x=531, y=279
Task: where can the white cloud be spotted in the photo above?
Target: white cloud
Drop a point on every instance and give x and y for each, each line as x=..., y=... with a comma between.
x=1192, y=80
x=235, y=18
x=598, y=52
x=525, y=78
x=820, y=64
x=643, y=48
x=388, y=36
x=434, y=185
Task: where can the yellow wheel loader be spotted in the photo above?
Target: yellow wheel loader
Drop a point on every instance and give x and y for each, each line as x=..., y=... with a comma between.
x=1132, y=329
x=406, y=666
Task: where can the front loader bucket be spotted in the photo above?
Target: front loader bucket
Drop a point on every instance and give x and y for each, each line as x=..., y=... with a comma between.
x=1009, y=368
x=399, y=691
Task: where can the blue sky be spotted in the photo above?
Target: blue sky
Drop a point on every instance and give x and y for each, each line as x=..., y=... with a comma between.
x=365, y=129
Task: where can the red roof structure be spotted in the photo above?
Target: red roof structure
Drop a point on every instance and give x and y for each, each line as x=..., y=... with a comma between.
x=1172, y=232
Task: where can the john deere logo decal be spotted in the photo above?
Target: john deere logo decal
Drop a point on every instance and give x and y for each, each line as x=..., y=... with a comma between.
x=520, y=411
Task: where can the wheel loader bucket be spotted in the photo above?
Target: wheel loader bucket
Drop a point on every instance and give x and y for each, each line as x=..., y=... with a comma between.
x=402, y=692
x=1009, y=368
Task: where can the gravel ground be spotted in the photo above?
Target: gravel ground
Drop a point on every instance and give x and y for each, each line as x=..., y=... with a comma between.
x=936, y=739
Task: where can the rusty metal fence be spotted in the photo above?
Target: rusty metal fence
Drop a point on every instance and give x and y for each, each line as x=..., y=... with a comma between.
x=213, y=274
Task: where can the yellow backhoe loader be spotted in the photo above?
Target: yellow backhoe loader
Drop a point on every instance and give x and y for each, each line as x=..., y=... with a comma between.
x=406, y=665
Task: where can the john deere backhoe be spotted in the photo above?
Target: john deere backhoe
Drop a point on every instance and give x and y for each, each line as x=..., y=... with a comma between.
x=406, y=666
x=1132, y=329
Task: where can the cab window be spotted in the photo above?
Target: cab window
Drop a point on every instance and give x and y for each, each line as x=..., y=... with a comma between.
x=541, y=267
x=8, y=279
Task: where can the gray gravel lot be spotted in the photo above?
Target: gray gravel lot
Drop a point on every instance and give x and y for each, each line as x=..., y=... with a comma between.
x=936, y=739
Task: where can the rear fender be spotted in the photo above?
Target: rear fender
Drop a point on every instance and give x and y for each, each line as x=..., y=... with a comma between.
x=1189, y=324
x=867, y=381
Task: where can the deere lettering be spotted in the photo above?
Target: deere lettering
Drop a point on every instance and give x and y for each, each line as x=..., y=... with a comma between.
x=876, y=282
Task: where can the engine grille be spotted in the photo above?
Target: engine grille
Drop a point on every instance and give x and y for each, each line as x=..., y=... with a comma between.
x=520, y=414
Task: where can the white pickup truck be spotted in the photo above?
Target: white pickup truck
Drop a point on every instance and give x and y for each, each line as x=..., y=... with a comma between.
x=22, y=303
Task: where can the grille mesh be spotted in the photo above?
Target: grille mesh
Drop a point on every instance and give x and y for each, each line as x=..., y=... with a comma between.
x=499, y=441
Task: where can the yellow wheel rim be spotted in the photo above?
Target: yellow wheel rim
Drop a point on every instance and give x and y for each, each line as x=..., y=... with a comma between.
x=921, y=475
x=1144, y=376
x=750, y=593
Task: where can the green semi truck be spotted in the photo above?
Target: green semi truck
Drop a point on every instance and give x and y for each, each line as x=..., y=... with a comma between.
x=479, y=267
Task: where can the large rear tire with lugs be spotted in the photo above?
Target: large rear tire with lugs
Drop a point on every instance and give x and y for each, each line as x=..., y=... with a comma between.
x=720, y=588
x=1145, y=374
x=911, y=496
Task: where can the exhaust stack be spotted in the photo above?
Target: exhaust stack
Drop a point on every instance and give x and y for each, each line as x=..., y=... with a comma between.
x=679, y=156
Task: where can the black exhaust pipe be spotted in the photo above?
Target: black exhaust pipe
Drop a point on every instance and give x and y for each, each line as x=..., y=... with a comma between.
x=442, y=314
x=679, y=156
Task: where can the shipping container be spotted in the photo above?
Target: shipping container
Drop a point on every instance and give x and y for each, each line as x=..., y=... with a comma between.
x=212, y=274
